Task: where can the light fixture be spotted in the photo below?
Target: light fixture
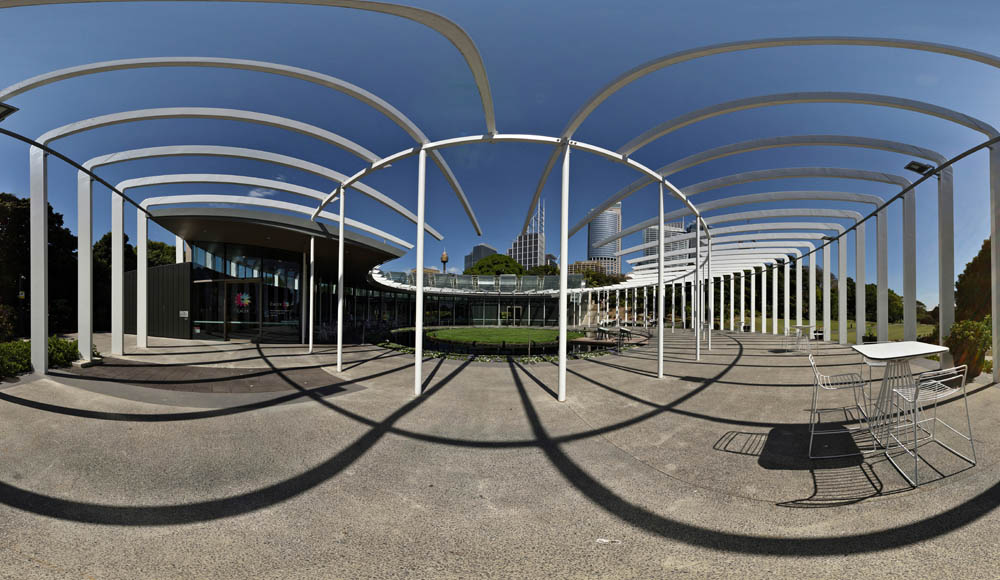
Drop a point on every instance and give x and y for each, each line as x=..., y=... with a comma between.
x=6, y=110
x=918, y=167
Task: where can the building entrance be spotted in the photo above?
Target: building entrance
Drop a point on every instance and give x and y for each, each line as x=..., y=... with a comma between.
x=226, y=309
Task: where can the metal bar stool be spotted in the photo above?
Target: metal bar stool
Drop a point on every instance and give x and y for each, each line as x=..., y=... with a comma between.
x=909, y=401
x=822, y=383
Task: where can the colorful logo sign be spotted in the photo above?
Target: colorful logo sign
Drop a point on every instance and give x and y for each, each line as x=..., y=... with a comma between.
x=243, y=299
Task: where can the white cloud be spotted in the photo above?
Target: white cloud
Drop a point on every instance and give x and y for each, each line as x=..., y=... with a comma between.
x=262, y=192
x=454, y=270
x=281, y=177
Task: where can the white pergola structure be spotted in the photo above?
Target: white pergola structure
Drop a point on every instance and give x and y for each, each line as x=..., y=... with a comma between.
x=718, y=251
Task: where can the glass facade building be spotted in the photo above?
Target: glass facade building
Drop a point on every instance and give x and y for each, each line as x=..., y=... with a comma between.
x=607, y=223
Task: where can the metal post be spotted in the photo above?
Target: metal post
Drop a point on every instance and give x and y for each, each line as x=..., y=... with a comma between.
x=826, y=293
x=302, y=297
x=659, y=290
x=842, y=290
x=684, y=294
x=743, y=290
x=340, y=286
x=696, y=301
x=563, y=271
x=946, y=261
x=312, y=289
x=763, y=298
x=788, y=295
x=418, y=337
x=812, y=289
x=753, y=300
x=117, y=274
x=39, y=259
x=732, y=302
x=909, y=266
x=882, y=277
x=711, y=303
x=798, y=290
x=141, y=280
x=84, y=266
x=995, y=253
x=860, y=320
x=774, y=298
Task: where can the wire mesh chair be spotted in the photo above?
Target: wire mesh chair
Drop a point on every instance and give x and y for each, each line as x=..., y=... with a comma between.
x=839, y=382
x=909, y=401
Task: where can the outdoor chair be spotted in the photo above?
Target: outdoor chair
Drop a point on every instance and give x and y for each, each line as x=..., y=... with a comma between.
x=911, y=427
x=825, y=383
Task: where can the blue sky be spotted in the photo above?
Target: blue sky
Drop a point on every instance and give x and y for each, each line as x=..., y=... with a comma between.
x=544, y=59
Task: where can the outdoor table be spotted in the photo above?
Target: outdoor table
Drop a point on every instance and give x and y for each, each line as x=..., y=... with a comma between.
x=896, y=356
x=801, y=329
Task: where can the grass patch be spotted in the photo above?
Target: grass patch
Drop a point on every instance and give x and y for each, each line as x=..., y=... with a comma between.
x=895, y=330
x=488, y=335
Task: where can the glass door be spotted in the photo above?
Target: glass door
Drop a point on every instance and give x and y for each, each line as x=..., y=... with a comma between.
x=243, y=304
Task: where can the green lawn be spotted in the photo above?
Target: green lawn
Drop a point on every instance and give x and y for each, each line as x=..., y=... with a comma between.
x=895, y=330
x=489, y=335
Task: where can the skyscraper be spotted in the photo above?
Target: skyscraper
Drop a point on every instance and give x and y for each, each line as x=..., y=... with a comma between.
x=479, y=251
x=670, y=230
x=608, y=223
x=528, y=248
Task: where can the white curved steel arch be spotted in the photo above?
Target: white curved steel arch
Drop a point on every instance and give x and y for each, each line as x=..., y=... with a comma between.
x=177, y=178
x=806, y=97
x=314, y=77
x=650, y=66
x=256, y=155
x=268, y=203
x=209, y=113
x=443, y=26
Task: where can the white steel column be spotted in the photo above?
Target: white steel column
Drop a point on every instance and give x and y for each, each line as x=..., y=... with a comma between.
x=909, y=266
x=302, y=294
x=743, y=290
x=788, y=295
x=946, y=261
x=84, y=266
x=995, y=253
x=563, y=270
x=753, y=300
x=659, y=291
x=141, y=279
x=684, y=294
x=340, y=286
x=418, y=332
x=711, y=290
x=763, y=298
x=842, y=290
x=673, y=307
x=312, y=289
x=860, y=318
x=178, y=248
x=39, y=259
x=798, y=290
x=774, y=298
x=117, y=274
x=826, y=292
x=882, y=277
x=732, y=302
x=812, y=289
x=696, y=298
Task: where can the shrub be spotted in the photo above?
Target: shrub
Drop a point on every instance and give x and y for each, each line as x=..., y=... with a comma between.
x=15, y=357
x=62, y=351
x=7, y=318
x=969, y=340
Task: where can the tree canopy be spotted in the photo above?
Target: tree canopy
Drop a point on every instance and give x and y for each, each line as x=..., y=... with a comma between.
x=496, y=264
x=546, y=270
x=972, y=291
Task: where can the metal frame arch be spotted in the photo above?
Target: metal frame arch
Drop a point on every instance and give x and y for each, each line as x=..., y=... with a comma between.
x=653, y=65
x=440, y=24
x=314, y=77
x=209, y=113
x=256, y=155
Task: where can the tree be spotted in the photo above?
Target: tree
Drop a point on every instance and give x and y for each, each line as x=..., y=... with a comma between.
x=160, y=254
x=496, y=264
x=596, y=279
x=15, y=252
x=546, y=270
x=871, y=304
x=972, y=291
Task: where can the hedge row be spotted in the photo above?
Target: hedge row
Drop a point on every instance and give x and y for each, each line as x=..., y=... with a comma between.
x=15, y=357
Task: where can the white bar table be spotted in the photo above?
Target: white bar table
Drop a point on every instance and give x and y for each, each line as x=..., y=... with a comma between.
x=801, y=329
x=896, y=356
